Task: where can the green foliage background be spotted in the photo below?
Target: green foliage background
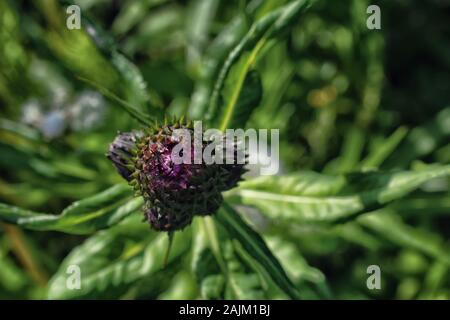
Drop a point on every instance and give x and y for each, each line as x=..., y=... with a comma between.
x=364, y=119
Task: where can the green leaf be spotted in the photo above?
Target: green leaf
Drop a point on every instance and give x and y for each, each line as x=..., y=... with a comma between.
x=13, y=278
x=133, y=13
x=244, y=286
x=312, y=197
x=212, y=287
x=239, y=281
x=133, y=80
x=252, y=242
x=293, y=262
x=266, y=283
x=200, y=16
x=231, y=278
x=20, y=129
x=182, y=287
x=435, y=282
x=377, y=157
x=136, y=88
x=112, y=261
x=248, y=99
x=214, y=57
x=253, y=42
x=204, y=260
x=351, y=150
x=82, y=217
x=388, y=225
x=237, y=276
x=429, y=204
x=132, y=83
x=310, y=281
x=354, y=233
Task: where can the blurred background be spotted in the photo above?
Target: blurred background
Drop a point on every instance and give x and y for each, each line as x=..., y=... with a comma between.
x=334, y=88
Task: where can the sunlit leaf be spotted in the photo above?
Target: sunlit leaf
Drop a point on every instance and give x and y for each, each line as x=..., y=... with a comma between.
x=113, y=260
x=311, y=197
x=389, y=226
x=256, y=247
x=82, y=217
x=253, y=42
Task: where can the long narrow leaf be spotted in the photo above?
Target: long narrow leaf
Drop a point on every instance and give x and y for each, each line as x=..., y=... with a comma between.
x=311, y=197
x=262, y=31
x=114, y=260
x=256, y=247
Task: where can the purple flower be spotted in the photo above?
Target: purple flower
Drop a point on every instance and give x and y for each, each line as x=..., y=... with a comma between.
x=174, y=193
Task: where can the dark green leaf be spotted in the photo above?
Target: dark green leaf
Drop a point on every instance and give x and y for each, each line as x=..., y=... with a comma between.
x=213, y=59
x=388, y=225
x=130, y=109
x=252, y=242
x=421, y=141
x=238, y=282
x=248, y=99
x=311, y=197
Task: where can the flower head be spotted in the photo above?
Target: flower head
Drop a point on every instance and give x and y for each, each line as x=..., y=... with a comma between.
x=174, y=192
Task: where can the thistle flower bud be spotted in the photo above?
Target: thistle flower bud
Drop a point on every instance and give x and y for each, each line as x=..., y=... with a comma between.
x=174, y=192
